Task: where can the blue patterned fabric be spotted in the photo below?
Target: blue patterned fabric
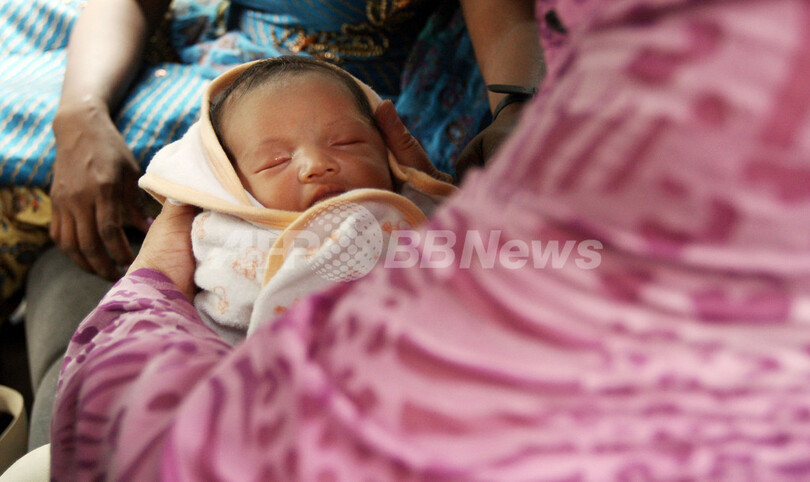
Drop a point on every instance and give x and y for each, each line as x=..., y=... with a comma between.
x=369, y=38
x=416, y=54
x=33, y=37
x=443, y=100
x=31, y=66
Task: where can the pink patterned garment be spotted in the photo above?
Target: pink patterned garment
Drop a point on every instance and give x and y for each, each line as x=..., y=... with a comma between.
x=677, y=133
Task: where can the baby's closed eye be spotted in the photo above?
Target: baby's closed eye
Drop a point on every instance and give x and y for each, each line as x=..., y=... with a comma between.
x=347, y=142
x=274, y=161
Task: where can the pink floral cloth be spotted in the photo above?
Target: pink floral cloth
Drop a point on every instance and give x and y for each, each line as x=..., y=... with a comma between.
x=677, y=134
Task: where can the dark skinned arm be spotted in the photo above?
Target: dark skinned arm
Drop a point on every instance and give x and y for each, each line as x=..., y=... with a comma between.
x=507, y=48
x=94, y=189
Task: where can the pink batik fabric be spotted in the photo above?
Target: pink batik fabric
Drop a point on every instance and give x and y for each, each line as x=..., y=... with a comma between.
x=674, y=133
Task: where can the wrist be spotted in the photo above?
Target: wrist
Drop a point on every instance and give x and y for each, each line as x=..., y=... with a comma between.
x=73, y=113
x=509, y=114
x=514, y=99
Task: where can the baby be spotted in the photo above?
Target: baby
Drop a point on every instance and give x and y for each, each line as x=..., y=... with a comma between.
x=300, y=131
x=280, y=141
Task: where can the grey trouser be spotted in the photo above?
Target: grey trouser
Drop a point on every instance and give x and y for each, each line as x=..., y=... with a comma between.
x=59, y=295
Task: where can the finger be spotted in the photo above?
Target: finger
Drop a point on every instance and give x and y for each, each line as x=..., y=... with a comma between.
x=54, y=228
x=68, y=243
x=443, y=176
x=471, y=157
x=111, y=232
x=403, y=144
x=63, y=235
x=91, y=246
x=135, y=208
x=138, y=218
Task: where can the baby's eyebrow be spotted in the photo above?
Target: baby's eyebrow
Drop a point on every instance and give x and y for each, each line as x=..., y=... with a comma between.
x=270, y=140
x=352, y=121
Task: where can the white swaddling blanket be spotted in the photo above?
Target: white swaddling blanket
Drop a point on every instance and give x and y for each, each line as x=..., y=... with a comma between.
x=241, y=265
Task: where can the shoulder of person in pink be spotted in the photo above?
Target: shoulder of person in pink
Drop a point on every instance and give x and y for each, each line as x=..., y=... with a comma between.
x=626, y=297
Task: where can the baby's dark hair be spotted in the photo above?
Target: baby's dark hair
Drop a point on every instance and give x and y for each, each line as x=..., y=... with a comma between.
x=276, y=68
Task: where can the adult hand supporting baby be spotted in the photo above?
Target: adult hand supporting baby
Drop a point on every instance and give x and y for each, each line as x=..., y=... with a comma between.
x=481, y=148
x=167, y=247
x=403, y=144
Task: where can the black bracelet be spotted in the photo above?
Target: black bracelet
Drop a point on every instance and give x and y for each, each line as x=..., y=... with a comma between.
x=514, y=93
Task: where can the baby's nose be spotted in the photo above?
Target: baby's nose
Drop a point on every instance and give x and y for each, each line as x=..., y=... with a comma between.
x=316, y=163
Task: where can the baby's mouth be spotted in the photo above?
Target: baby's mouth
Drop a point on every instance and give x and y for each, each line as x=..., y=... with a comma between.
x=325, y=193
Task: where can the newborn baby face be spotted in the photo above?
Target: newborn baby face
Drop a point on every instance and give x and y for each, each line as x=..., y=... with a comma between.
x=302, y=139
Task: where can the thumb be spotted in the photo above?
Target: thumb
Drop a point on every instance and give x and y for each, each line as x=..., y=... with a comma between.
x=167, y=247
x=178, y=217
x=400, y=141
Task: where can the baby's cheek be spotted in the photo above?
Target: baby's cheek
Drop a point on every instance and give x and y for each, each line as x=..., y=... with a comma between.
x=382, y=172
x=381, y=178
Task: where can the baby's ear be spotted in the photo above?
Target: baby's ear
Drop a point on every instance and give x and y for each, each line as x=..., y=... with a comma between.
x=403, y=145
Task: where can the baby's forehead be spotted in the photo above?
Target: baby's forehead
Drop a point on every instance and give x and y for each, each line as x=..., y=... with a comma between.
x=354, y=105
x=291, y=79
x=348, y=87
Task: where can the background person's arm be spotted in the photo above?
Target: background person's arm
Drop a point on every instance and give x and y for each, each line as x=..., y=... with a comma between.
x=94, y=187
x=505, y=39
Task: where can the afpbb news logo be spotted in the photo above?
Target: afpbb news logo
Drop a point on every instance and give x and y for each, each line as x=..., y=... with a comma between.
x=439, y=249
